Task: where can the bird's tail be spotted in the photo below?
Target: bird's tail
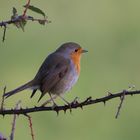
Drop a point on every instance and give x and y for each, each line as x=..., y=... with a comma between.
x=21, y=88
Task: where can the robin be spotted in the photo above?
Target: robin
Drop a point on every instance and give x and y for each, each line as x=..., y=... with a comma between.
x=58, y=73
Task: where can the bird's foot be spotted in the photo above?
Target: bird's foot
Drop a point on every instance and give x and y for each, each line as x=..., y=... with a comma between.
x=70, y=106
x=72, y=103
x=75, y=100
x=46, y=103
x=54, y=106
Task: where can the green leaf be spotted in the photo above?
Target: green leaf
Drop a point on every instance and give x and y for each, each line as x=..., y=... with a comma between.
x=35, y=9
x=15, y=14
x=14, y=11
x=22, y=24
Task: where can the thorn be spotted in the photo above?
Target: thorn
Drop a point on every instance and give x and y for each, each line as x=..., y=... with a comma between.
x=109, y=93
x=104, y=103
x=69, y=106
x=57, y=111
x=131, y=87
x=65, y=110
x=70, y=111
x=3, y=115
x=75, y=100
x=81, y=107
x=89, y=98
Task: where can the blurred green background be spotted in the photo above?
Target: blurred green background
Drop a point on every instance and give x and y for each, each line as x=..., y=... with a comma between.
x=110, y=31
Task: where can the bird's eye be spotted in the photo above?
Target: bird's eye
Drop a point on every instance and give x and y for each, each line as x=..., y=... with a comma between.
x=76, y=50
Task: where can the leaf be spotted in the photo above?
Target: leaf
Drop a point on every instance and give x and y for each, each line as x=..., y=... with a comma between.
x=35, y=9
x=15, y=14
x=22, y=24
x=14, y=11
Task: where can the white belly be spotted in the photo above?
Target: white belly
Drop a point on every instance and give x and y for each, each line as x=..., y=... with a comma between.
x=66, y=83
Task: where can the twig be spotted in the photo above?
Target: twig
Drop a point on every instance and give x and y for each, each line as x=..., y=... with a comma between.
x=2, y=102
x=31, y=126
x=120, y=105
x=131, y=87
x=26, y=8
x=19, y=18
x=88, y=101
x=14, y=122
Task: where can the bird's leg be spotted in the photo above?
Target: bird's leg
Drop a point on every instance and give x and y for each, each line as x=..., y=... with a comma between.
x=64, y=99
x=54, y=104
x=75, y=100
x=49, y=101
x=69, y=104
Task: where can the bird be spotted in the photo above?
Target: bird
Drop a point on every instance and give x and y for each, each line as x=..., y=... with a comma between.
x=57, y=74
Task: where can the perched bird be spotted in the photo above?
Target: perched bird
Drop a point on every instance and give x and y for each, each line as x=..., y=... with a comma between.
x=58, y=73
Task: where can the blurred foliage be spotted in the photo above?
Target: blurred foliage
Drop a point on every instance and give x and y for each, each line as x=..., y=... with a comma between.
x=110, y=31
x=36, y=9
x=21, y=20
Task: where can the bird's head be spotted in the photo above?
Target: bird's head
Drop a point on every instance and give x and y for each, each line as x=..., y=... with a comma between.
x=72, y=51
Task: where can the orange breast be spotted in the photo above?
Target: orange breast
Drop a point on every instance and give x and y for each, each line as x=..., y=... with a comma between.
x=76, y=60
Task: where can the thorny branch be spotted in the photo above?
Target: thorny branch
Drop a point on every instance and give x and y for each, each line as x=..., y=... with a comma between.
x=74, y=105
x=14, y=122
x=2, y=101
x=31, y=126
x=120, y=105
x=21, y=20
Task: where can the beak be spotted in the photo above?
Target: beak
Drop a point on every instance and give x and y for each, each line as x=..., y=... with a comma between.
x=84, y=51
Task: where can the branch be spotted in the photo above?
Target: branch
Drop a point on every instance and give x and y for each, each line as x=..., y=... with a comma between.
x=120, y=105
x=14, y=122
x=20, y=18
x=2, y=102
x=74, y=105
x=25, y=11
x=31, y=126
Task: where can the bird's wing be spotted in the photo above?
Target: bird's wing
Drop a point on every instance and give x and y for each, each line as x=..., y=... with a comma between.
x=51, y=72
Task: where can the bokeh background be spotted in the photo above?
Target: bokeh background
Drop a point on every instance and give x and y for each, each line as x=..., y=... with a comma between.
x=110, y=31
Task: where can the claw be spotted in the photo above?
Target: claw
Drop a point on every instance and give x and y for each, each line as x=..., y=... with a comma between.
x=54, y=106
x=75, y=100
x=70, y=107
